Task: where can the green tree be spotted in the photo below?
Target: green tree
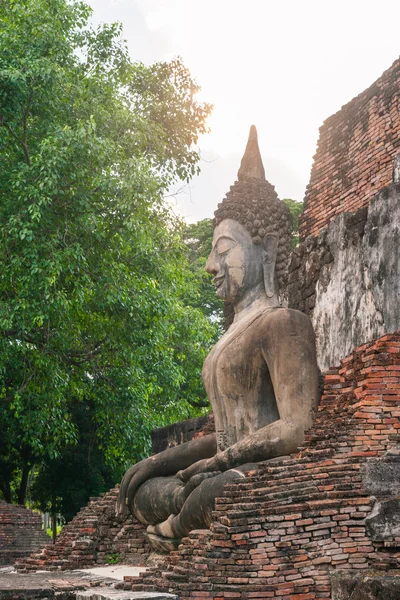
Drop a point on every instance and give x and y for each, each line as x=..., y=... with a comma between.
x=92, y=269
x=83, y=467
x=295, y=209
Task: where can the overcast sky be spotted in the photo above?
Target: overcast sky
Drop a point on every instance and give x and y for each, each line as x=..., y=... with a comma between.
x=283, y=65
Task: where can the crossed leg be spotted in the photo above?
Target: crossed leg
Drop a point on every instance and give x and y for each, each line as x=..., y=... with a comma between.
x=172, y=509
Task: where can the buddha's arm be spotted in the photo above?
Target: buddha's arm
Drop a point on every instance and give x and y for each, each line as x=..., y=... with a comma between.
x=289, y=350
x=168, y=462
x=277, y=439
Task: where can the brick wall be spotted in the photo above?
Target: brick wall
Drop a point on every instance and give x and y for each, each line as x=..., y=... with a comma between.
x=355, y=154
x=284, y=530
x=20, y=532
x=92, y=535
x=177, y=433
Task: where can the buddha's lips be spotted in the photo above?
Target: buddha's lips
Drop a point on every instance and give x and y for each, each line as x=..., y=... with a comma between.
x=218, y=281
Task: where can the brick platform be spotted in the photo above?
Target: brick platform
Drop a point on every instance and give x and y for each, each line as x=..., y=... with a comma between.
x=93, y=534
x=282, y=532
x=355, y=154
x=20, y=532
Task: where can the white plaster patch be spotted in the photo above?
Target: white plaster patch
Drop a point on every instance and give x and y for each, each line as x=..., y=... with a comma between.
x=346, y=313
x=361, y=301
x=115, y=571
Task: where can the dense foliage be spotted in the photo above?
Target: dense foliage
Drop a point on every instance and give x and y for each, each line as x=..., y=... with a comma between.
x=295, y=209
x=94, y=328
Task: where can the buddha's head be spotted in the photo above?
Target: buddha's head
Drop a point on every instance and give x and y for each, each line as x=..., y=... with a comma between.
x=252, y=236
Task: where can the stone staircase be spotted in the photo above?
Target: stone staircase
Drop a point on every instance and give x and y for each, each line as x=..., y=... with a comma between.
x=20, y=532
x=95, y=533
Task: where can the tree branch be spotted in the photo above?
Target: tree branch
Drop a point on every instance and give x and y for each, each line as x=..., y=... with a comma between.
x=25, y=128
x=21, y=389
x=22, y=142
x=9, y=129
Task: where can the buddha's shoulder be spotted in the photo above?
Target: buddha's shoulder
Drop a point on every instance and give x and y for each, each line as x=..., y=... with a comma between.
x=281, y=318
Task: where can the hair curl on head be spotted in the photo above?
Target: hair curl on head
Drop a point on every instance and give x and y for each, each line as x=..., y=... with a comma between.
x=254, y=204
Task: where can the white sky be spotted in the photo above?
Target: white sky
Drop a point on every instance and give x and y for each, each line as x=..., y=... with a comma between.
x=284, y=65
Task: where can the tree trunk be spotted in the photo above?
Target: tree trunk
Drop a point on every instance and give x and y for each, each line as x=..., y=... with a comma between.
x=24, y=483
x=53, y=520
x=6, y=491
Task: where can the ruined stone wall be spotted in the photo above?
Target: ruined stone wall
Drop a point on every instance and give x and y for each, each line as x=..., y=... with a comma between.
x=348, y=278
x=345, y=273
x=284, y=531
x=177, y=433
x=20, y=532
x=93, y=536
x=355, y=154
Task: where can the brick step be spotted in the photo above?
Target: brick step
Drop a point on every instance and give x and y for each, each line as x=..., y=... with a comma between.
x=310, y=492
x=325, y=489
x=246, y=509
x=297, y=465
x=113, y=594
x=270, y=481
x=326, y=478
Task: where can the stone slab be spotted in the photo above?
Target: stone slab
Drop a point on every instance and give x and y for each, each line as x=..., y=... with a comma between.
x=112, y=594
x=72, y=585
x=14, y=586
x=353, y=586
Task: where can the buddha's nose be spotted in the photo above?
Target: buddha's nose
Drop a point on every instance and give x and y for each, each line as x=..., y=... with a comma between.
x=211, y=264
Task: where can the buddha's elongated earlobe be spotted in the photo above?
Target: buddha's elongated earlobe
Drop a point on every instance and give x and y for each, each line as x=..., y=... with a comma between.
x=270, y=243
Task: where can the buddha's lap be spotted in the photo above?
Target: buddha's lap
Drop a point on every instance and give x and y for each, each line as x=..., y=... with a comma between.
x=160, y=497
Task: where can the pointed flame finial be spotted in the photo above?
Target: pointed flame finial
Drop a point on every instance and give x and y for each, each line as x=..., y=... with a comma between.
x=251, y=165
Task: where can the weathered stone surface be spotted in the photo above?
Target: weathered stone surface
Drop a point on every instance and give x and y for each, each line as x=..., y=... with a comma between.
x=381, y=254
x=73, y=585
x=382, y=476
x=346, y=313
x=15, y=586
x=348, y=279
x=112, y=594
x=383, y=523
x=177, y=433
x=352, y=586
x=396, y=169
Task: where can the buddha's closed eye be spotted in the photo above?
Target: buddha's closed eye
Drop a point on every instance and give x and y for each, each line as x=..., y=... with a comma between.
x=223, y=245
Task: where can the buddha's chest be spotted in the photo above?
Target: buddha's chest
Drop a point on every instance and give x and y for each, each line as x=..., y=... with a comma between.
x=239, y=386
x=233, y=367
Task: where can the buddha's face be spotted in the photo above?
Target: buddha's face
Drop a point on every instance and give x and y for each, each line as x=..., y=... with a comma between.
x=235, y=261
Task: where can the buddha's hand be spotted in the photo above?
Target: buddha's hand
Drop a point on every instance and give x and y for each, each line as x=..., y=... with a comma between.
x=205, y=465
x=133, y=478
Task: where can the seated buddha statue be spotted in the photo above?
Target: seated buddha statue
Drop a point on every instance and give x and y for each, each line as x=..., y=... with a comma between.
x=261, y=377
